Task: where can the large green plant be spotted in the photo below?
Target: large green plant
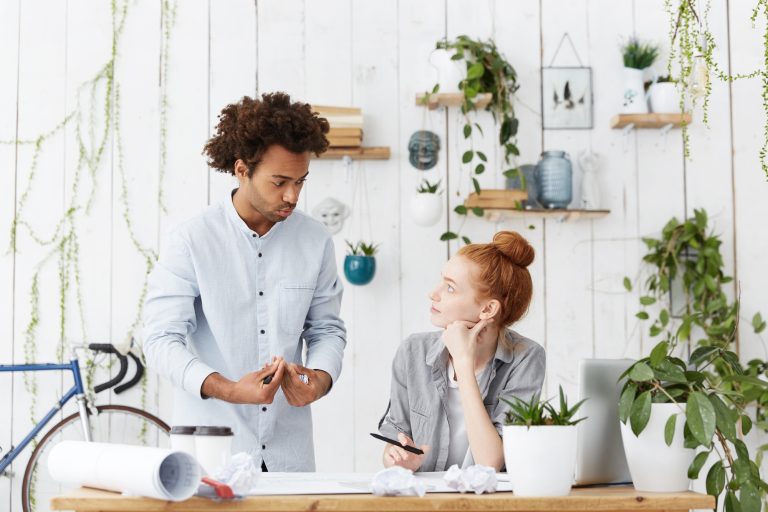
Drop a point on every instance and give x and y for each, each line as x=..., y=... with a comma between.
x=488, y=71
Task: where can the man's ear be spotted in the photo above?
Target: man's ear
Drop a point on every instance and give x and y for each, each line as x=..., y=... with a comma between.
x=241, y=170
x=490, y=310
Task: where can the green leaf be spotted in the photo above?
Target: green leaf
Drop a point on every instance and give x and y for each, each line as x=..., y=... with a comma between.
x=479, y=128
x=627, y=284
x=664, y=317
x=701, y=354
x=669, y=429
x=741, y=470
x=658, y=353
x=700, y=417
x=460, y=209
x=670, y=372
x=642, y=315
x=476, y=70
x=641, y=372
x=750, y=498
x=746, y=424
x=625, y=402
x=480, y=169
x=448, y=235
x=476, y=185
x=731, y=502
x=725, y=418
x=758, y=324
x=741, y=449
x=641, y=412
x=466, y=240
x=435, y=88
x=479, y=212
x=716, y=479
x=647, y=300
x=482, y=156
x=698, y=462
x=467, y=131
x=467, y=156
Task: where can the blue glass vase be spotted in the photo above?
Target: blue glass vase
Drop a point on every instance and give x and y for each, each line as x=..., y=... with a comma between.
x=359, y=270
x=554, y=179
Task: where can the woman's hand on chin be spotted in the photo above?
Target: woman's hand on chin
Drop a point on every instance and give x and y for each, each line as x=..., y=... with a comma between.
x=460, y=338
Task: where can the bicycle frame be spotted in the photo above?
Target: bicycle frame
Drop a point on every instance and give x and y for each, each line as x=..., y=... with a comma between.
x=77, y=391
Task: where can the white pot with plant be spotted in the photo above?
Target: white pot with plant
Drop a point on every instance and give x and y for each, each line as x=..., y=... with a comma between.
x=540, y=446
x=664, y=96
x=427, y=204
x=638, y=57
x=449, y=72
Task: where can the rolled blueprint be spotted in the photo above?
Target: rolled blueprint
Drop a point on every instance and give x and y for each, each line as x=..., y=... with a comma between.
x=139, y=470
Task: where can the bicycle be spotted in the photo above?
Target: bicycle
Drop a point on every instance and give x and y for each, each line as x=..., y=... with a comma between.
x=101, y=423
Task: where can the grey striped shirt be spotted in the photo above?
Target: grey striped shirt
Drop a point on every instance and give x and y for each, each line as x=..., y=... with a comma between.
x=418, y=400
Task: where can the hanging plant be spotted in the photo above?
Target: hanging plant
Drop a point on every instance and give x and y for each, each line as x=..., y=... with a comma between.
x=487, y=71
x=360, y=263
x=427, y=203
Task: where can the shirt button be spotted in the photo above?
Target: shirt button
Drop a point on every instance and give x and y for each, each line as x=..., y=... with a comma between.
x=253, y=235
x=262, y=331
x=264, y=409
x=263, y=447
x=261, y=293
x=259, y=255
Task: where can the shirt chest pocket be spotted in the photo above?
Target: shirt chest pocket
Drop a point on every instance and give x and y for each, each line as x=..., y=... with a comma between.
x=295, y=300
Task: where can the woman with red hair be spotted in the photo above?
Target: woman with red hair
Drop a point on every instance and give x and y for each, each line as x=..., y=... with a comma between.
x=447, y=385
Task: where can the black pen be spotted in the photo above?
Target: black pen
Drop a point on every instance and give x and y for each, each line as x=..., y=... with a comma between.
x=407, y=448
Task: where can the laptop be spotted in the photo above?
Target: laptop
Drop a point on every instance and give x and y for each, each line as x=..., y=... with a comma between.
x=600, y=455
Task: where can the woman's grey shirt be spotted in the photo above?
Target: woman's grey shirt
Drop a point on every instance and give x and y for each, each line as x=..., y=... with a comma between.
x=419, y=396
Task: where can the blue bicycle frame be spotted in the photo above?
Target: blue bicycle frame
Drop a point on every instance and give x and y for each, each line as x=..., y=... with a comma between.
x=77, y=391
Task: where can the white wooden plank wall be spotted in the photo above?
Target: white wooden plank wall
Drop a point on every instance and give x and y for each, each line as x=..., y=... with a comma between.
x=373, y=55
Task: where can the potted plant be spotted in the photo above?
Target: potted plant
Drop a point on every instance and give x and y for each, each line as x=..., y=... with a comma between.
x=637, y=57
x=427, y=203
x=360, y=263
x=663, y=95
x=540, y=446
x=711, y=394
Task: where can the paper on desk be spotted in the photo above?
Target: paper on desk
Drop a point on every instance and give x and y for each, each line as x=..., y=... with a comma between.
x=140, y=470
x=271, y=484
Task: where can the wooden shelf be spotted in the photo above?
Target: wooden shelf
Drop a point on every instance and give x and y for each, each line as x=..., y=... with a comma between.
x=361, y=153
x=561, y=215
x=650, y=120
x=451, y=99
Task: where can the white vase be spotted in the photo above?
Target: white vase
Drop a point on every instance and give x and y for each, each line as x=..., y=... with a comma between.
x=426, y=209
x=540, y=461
x=664, y=98
x=654, y=466
x=633, y=97
x=448, y=73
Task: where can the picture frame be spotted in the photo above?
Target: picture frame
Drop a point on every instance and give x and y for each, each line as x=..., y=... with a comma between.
x=566, y=98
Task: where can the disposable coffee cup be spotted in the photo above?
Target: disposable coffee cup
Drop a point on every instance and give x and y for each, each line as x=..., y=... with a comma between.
x=183, y=439
x=213, y=447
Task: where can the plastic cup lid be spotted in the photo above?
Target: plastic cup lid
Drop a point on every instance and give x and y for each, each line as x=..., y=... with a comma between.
x=213, y=431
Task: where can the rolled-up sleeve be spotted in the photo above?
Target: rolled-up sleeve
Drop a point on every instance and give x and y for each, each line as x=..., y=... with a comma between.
x=524, y=381
x=169, y=317
x=324, y=330
x=398, y=417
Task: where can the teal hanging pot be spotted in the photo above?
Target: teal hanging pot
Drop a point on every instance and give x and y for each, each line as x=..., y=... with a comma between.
x=359, y=270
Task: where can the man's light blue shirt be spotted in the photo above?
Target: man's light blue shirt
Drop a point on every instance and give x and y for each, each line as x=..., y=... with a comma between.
x=224, y=299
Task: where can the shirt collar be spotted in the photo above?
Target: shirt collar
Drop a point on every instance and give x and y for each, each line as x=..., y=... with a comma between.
x=504, y=351
x=229, y=207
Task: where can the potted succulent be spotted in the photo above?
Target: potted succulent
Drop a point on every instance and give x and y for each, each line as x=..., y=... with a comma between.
x=427, y=203
x=540, y=446
x=663, y=95
x=360, y=263
x=637, y=57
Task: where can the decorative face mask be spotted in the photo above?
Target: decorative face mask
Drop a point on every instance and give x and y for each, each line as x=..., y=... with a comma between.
x=423, y=148
x=332, y=213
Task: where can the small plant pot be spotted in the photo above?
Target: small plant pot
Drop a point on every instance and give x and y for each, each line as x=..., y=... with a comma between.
x=633, y=96
x=541, y=461
x=426, y=209
x=664, y=98
x=359, y=270
x=448, y=73
x=654, y=466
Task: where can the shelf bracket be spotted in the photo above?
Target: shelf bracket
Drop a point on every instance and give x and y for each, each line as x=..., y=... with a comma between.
x=625, y=133
x=664, y=131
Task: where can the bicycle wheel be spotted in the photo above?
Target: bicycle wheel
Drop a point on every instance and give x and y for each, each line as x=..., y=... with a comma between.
x=112, y=424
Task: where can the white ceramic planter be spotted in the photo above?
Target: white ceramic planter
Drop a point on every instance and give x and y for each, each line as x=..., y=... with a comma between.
x=633, y=97
x=540, y=460
x=448, y=73
x=664, y=98
x=654, y=466
x=426, y=209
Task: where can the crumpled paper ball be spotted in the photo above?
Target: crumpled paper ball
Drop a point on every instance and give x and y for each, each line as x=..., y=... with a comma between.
x=478, y=479
x=397, y=481
x=240, y=474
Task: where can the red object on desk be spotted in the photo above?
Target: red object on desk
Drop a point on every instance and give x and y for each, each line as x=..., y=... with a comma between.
x=223, y=491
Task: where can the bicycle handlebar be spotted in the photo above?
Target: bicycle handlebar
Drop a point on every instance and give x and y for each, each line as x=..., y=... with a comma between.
x=110, y=349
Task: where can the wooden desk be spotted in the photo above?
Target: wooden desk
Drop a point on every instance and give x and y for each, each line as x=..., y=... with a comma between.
x=602, y=499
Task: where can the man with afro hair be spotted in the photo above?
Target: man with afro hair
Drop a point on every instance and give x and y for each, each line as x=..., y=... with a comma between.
x=244, y=287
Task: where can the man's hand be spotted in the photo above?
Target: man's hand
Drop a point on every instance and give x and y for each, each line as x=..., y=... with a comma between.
x=251, y=388
x=303, y=386
x=396, y=456
x=460, y=338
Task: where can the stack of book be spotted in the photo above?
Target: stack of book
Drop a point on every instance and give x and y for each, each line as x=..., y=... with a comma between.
x=346, y=125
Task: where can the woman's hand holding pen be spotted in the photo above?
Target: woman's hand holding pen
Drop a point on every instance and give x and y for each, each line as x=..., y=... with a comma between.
x=302, y=385
x=396, y=456
x=460, y=338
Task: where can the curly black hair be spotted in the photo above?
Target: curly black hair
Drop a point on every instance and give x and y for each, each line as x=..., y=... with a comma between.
x=248, y=128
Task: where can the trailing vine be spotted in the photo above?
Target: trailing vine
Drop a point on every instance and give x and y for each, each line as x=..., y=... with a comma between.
x=91, y=138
